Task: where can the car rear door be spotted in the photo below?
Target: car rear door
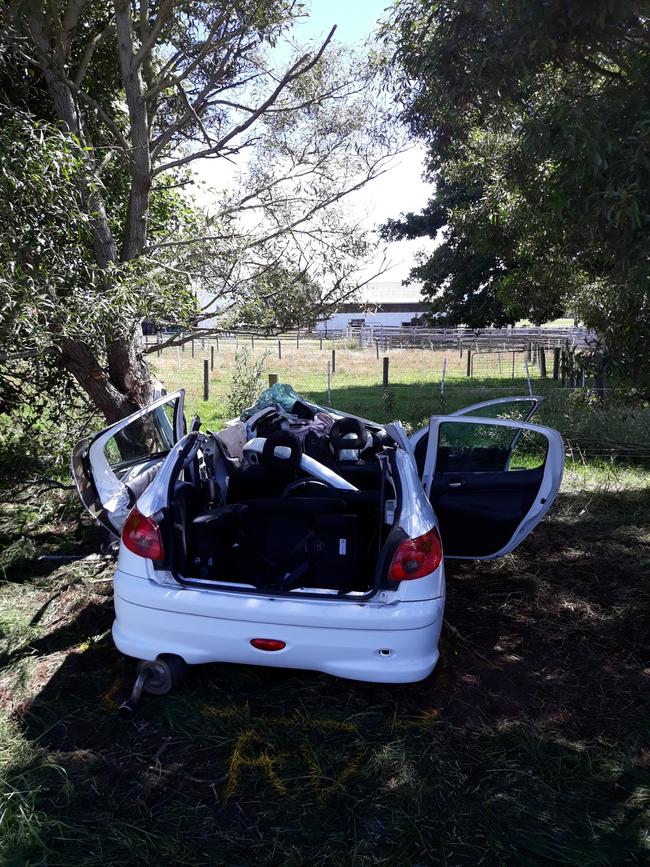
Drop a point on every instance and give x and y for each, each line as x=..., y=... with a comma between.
x=125, y=456
x=489, y=480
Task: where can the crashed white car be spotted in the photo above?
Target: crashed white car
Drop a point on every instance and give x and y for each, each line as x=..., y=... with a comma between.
x=304, y=537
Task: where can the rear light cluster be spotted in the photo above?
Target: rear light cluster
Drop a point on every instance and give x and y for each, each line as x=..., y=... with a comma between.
x=417, y=557
x=141, y=535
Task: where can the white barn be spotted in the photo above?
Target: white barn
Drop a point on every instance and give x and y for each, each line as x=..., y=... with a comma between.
x=378, y=303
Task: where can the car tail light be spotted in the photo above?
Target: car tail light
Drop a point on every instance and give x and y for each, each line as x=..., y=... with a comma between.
x=141, y=535
x=417, y=557
x=268, y=644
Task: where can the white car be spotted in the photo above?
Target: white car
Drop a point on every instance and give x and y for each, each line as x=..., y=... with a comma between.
x=305, y=537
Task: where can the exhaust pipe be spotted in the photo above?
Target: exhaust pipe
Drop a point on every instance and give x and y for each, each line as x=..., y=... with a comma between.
x=156, y=677
x=126, y=710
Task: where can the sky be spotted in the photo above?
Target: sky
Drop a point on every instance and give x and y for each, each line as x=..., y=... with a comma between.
x=402, y=188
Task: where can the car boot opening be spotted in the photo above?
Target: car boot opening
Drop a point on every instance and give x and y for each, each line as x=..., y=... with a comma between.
x=279, y=530
x=286, y=543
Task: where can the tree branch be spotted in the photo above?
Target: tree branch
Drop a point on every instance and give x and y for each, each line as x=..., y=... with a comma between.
x=89, y=50
x=92, y=103
x=208, y=46
x=145, y=49
x=300, y=67
x=72, y=14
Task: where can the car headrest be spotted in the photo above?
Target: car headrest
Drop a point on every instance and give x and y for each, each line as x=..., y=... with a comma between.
x=282, y=450
x=348, y=433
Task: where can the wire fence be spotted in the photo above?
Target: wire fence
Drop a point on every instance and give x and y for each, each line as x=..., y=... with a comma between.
x=395, y=362
x=413, y=382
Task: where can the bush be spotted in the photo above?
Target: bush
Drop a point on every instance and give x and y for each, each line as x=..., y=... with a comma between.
x=247, y=381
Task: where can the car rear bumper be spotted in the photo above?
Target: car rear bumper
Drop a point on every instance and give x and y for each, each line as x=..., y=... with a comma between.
x=384, y=643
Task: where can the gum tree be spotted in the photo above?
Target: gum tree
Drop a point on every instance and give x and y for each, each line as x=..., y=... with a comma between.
x=143, y=89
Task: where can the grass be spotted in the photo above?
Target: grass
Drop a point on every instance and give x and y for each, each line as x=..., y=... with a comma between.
x=620, y=429
x=528, y=745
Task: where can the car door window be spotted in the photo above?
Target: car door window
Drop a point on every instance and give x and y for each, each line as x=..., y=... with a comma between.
x=143, y=439
x=515, y=408
x=104, y=465
x=519, y=408
x=488, y=448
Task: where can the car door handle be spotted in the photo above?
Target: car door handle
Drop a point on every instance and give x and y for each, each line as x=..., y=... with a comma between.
x=455, y=484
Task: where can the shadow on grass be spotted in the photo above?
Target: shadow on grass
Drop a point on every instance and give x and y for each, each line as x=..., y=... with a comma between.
x=529, y=745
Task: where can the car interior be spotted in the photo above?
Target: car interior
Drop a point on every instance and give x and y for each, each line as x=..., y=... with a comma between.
x=290, y=513
x=478, y=494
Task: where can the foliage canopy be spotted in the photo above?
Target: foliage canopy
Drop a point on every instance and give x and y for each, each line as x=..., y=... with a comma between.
x=122, y=99
x=537, y=122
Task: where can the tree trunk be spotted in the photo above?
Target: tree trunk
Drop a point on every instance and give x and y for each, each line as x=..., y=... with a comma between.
x=135, y=232
x=129, y=371
x=127, y=384
x=78, y=358
x=64, y=104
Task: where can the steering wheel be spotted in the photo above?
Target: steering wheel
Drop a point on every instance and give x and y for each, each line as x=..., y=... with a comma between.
x=302, y=483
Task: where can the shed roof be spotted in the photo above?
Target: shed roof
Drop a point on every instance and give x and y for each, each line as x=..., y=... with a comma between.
x=385, y=292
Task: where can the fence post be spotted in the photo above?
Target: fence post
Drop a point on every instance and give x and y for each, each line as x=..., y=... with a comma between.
x=334, y=361
x=212, y=358
x=556, y=363
x=599, y=381
x=513, y=365
x=252, y=342
x=469, y=362
x=321, y=343
x=542, y=362
x=385, y=374
x=377, y=349
x=530, y=385
x=460, y=348
x=217, y=336
x=159, y=342
x=273, y=378
x=203, y=343
x=279, y=348
x=298, y=339
x=329, y=384
x=192, y=347
x=182, y=344
x=206, y=379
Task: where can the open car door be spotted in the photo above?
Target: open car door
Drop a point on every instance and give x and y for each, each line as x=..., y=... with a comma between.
x=489, y=480
x=125, y=457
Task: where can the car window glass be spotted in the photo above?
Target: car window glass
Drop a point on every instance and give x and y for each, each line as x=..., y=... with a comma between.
x=152, y=434
x=517, y=410
x=488, y=448
x=529, y=452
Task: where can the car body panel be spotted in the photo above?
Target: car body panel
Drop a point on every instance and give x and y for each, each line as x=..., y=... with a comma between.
x=372, y=642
